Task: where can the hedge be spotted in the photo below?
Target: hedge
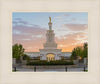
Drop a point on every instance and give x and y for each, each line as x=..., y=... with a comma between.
x=57, y=62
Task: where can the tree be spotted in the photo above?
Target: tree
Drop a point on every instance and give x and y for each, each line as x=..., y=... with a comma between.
x=85, y=51
x=18, y=51
x=81, y=51
x=74, y=55
x=26, y=57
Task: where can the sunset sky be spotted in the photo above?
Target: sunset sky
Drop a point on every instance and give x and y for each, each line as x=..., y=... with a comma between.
x=29, y=29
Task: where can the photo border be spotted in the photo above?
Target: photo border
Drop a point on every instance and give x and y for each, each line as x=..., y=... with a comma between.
x=9, y=77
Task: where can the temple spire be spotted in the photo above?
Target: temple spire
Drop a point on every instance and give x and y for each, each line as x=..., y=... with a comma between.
x=50, y=37
x=50, y=24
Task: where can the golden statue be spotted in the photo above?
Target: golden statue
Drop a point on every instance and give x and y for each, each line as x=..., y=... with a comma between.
x=50, y=19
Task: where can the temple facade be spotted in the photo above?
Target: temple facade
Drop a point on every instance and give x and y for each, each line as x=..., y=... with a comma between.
x=50, y=51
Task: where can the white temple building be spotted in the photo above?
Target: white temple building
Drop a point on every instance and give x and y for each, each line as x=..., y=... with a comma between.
x=50, y=51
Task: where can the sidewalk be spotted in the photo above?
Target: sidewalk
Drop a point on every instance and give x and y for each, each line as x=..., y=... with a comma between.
x=51, y=70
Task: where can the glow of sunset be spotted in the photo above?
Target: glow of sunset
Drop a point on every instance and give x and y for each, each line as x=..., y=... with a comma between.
x=29, y=29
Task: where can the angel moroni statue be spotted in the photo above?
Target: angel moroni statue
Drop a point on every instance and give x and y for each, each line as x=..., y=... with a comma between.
x=50, y=19
x=50, y=24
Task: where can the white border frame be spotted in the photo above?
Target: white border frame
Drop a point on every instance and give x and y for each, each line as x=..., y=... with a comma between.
x=9, y=6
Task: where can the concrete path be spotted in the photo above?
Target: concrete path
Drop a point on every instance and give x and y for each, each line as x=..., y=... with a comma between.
x=51, y=70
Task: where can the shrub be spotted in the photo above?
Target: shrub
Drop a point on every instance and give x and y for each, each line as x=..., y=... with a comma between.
x=57, y=62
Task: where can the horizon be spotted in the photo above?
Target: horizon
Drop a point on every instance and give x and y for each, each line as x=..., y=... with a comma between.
x=70, y=28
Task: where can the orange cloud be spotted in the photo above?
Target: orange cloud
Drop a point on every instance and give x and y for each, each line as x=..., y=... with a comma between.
x=70, y=41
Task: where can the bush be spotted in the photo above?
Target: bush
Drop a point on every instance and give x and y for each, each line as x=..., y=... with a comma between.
x=57, y=62
x=26, y=57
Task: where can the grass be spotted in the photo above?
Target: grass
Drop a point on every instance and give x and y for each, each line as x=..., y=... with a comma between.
x=14, y=70
x=85, y=70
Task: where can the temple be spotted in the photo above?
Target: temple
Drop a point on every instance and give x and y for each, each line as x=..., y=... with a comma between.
x=50, y=51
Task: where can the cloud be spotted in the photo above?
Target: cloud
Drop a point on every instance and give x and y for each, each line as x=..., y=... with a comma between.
x=33, y=36
x=24, y=33
x=73, y=19
x=23, y=22
x=67, y=15
x=76, y=27
x=58, y=17
x=60, y=20
x=15, y=22
x=18, y=19
x=62, y=16
x=26, y=39
x=69, y=41
x=70, y=29
x=29, y=36
x=27, y=30
x=35, y=42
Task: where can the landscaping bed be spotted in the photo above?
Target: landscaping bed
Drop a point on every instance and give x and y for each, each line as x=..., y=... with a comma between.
x=57, y=62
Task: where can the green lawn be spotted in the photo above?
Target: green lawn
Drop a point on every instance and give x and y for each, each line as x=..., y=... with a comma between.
x=14, y=70
x=85, y=70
